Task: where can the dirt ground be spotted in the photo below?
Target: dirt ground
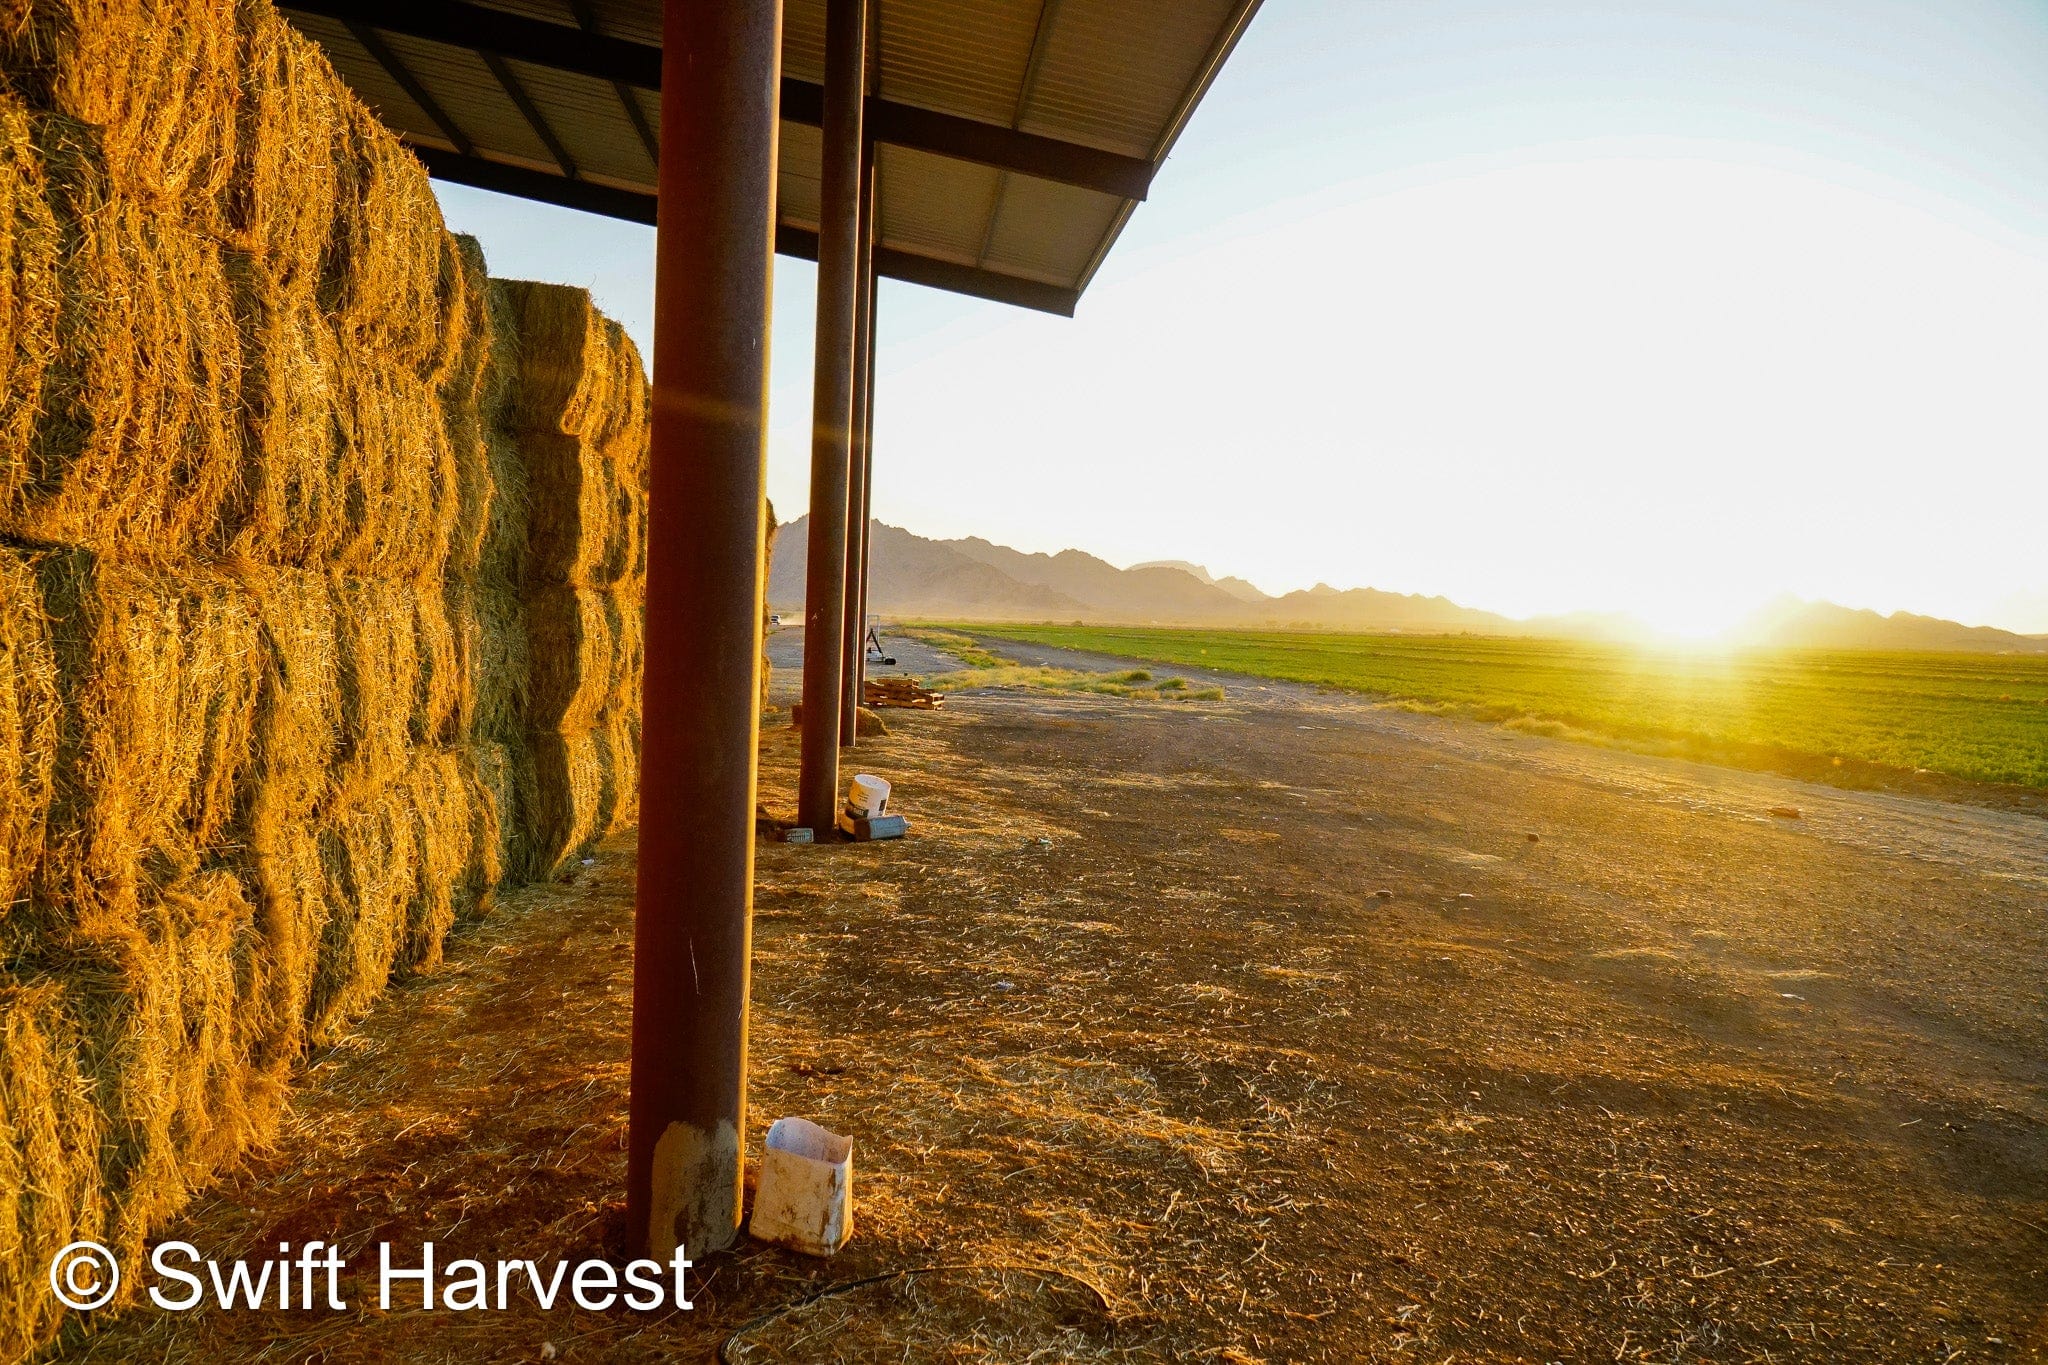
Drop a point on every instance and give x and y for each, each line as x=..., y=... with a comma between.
x=1134, y=1051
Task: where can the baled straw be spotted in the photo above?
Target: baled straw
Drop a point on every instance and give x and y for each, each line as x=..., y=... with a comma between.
x=30, y=709
x=28, y=285
x=386, y=278
x=280, y=200
x=488, y=626
x=567, y=793
x=399, y=669
x=392, y=866
x=165, y=1048
x=566, y=372
x=473, y=395
x=397, y=481
x=157, y=77
x=578, y=651
x=159, y=675
x=291, y=505
x=50, y=1138
x=134, y=445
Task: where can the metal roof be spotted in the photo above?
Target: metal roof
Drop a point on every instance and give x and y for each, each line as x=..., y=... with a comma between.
x=1013, y=137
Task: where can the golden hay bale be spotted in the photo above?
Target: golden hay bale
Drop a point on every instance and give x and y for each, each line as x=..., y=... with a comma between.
x=572, y=511
x=158, y=673
x=30, y=706
x=393, y=865
x=397, y=483
x=346, y=461
x=28, y=279
x=565, y=370
x=385, y=277
x=399, y=667
x=289, y=504
x=492, y=775
x=579, y=644
x=620, y=736
x=473, y=396
x=581, y=414
x=158, y=77
x=566, y=794
x=502, y=556
x=166, y=1047
x=134, y=443
x=280, y=200
x=488, y=626
x=50, y=1138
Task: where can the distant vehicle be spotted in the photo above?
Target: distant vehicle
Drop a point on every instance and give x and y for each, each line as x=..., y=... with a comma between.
x=774, y=618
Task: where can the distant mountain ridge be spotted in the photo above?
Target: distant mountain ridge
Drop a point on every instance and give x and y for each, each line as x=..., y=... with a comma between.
x=977, y=580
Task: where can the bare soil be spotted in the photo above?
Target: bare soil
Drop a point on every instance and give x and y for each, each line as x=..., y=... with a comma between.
x=1625, y=1068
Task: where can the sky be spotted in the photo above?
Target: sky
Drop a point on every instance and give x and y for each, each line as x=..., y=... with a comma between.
x=1659, y=306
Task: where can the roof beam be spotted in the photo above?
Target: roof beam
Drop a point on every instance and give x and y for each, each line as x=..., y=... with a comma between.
x=587, y=21
x=617, y=60
x=639, y=207
x=535, y=120
x=382, y=54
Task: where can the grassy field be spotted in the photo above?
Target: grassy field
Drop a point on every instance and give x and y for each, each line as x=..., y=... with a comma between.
x=1982, y=718
x=984, y=668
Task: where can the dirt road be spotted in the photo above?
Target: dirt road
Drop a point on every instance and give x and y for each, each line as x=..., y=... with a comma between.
x=1624, y=1067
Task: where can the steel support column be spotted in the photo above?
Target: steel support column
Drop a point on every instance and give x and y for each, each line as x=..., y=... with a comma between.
x=867, y=472
x=852, y=664
x=693, y=919
x=832, y=412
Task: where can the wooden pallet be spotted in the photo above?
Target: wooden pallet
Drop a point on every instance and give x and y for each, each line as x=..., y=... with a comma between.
x=901, y=692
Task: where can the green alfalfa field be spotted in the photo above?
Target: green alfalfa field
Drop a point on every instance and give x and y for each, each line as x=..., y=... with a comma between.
x=1858, y=718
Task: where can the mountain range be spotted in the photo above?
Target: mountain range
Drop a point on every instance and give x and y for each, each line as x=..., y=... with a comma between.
x=975, y=579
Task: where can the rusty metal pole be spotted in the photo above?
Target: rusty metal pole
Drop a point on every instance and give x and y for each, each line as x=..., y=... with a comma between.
x=693, y=919
x=867, y=471
x=854, y=658
x=832, y=412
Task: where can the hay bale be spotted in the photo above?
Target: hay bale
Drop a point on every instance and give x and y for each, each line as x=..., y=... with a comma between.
x=492, y=774
x=397, y=477
x=345, y=460
x=158, y=77
x=166, y=1047
x=158, y=673
x=566, y=369
x=280, y=199
x=567, y=794
x=573, y=534
x=50, y=1138
x=30, y=707
x=134, y=443
x=28, y=279
x=581, y=416
x=391, y=866
x=488, y=626
x=473, y=395
x=387, y=278
x=620, y=735
x=289, y=505
x=581, y=644
x=400, y=673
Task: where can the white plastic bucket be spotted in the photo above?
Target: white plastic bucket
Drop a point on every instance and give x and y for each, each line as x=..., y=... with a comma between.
x=804, y=1199
x=868, y=797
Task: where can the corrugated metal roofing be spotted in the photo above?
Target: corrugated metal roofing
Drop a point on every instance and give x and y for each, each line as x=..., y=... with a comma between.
x=487, y=100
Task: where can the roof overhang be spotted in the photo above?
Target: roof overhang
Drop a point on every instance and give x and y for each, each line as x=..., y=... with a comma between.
x=1013, y=137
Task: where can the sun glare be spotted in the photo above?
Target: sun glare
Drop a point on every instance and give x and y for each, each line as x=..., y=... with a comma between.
x=1692, y=623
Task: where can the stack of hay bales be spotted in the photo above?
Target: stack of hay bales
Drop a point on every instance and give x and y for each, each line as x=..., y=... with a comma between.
x=578, y=422
x=290, y=676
